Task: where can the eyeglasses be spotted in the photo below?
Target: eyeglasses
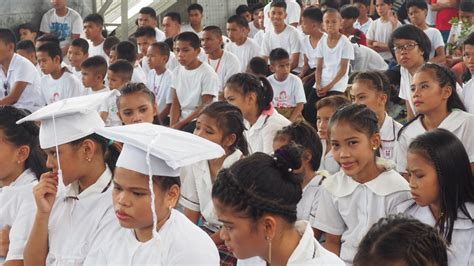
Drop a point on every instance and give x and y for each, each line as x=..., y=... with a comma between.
x=406, y=47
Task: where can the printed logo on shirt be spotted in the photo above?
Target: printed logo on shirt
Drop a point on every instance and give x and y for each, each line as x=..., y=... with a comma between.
x=55, y=97
x=387, y=152
x=60, y=30
x=282, y=100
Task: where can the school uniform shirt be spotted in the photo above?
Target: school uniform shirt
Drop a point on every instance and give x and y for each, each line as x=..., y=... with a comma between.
x=253, y=29
x=225, y=67
x=160, y=85
x=332, y=61
x=245, y=52
x=258, y=37
x=110, y=107
x=306, y=208
x=380, y=31
x=328, y=163
x=76, y=73
x=21, y=69
x=160, y=35
x=366, y=59
x=293, y=11
x=62, y=27
x=144, y=64
x=191, y=85
x=90, y=91
x=67, y=86
x=308, y=251
x=458, y=122
x=196, y=189
x=287, y=93
x=363, y=27
x=260, y=135
x=388, y=133
x=98, y=50
x=138, y=75
x=461, y=250
x=309, y=51
x=348, y=208
x=172, y=62
x=288, y=39
x=436, y=39
x=468, y=95
x=189, y=28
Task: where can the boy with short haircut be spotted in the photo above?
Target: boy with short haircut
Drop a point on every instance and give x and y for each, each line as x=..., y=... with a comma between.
x=145, y=37
x=194, y=85
x=241, y=46
x=57, y=83
x=27, y=32
x=78, y=52
x=147, y=18
x=293, y=11
x=255, y=25
x=93, y=27
x=46, y=38
x=26, y=48
x=18, y=76
x=380, y=29
x=160, y=79
x=288, y=91
x=281, y=35
x=363, y=21
x=171, y=24
x=127, y=50
x=468, y=88
x=349, y=16
x=244, y=12
x=93, y=71
x=108, y=43
x=258, y=67
x=195, y=15
x=113, y=54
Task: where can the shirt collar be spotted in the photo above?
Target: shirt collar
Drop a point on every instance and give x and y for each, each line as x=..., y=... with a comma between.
x=388, y=129
x=102, y=183
x=306, y=249
x=454, y=120
x=25, y=178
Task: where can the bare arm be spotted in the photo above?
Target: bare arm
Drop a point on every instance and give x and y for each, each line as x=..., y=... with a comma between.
x=410, y=114
x=193, y=216
x=297, y=111
x=15, y=93
x=440, y=56
x=318, y=73
x=205, y=99
x=162, y=116
x=333, y=243
x=104, y=115
x=175, y=111
x=294, y=60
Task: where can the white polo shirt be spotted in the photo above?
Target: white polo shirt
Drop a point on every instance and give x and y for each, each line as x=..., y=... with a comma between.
x=306, y=208
x=388, y=133
x=328, y=163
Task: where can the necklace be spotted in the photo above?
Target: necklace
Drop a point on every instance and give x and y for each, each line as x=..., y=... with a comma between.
x=157, y=89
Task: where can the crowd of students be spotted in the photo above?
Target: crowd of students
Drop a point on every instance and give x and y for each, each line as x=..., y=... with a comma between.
x=309, y=133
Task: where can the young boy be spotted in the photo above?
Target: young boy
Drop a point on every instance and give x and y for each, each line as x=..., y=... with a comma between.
x=224, y=63
x=288, y=91
x=93, y=26
x=58, y=83
x=18, y=76
x=281, y=35
x=78, y=52
x=27, y=49
x=127, y=50
x=349, y=16
x=254, y=25
x=108, y=43
x=160, y=79
x=145, y=37
x=380, y=29
x=147, y=18
x=363, y=21
x=244, y=12
x=468, y=88
x=241, y=46
x=195, y=15
x=171, y=24
x=27, y=32
x=417, y=12
x=293, y=11
x=194, y=85
x=93, y=71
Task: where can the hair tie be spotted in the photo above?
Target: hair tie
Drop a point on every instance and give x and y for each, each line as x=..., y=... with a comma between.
x=110, y=142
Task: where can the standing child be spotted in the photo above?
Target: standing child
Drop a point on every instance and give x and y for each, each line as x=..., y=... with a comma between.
x=441, y=184
x=468, y=88
x=242, y=46
x=364, y=191
x=126, y=50
x=93, y=72
x=288, y=91
x=253, y=96
x=137, y=104
x=27, y=32
x=145, y=36
x=93, y=28
x=349, y=16
x=77, y=53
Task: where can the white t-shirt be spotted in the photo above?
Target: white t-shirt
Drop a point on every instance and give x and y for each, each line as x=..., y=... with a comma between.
x=363, y=27
x=436, y=40
x=62, y=27
x=380, y=31
x=366, y=59
x=245, y=52
x=138, y=75
x=110, y=107
x=258, y=37
x=468, y=95
x=160, y=85
x=67, y=86
x=172, y=62
x=225, y=67
x=21, y=69
x=188, y=27
x=191, y=85
x=287, y=93
x=90, y=91
x=388, y=133
x=76, y=73
x=309, y=51
x=253, y=29
x=160, y=35
x=98, y=50
x=293, y=10
x=288, y=39
x=332, y=61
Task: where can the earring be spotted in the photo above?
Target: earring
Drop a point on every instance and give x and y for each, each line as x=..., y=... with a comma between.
x=88, y=159
x=269, y=249
x=374, y=148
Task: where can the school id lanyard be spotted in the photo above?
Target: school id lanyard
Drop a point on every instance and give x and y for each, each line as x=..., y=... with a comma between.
x=218, y=63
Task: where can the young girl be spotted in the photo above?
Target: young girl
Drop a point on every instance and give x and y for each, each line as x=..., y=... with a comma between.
x=442, y=187
x=438, y=106
x=364, y=191
x=373, y=90
x=137, y=104
x=253, y=96
x=399, y=240
x=21, y=163
x=145, y=192
x=223, y=124
x=326, y=108
x=256, y=199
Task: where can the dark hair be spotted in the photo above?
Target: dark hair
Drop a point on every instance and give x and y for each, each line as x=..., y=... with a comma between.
x=278, y=54
x=240, y=21
x=258, y=66
x=52, y=49
x=364, y=2
x=127, y=50
x=195, y=6
x=148, y=11
x=174, y=16
x=350, y=11
x=388, y=2
x=304, y=134
x=23, y=134
x=261, y=184
x=398, y=237
x=162, y=47
x=213, y=29
x=466, y=6
x=166, y=182
x=333, y=4
x=334, y=101
x=8, y=37
x=110, y=153
x=469, y=40
x=230, y=120
x=359, y=116
x=248, y=83
x=28, y=26
x=410, y=32
x=278, y=3
x=81, y=43
x=95, y=18
x=190, y=37
x=110, y=41
x=169, y=41
x=97, y=63
x=122, y=67
x=255, y=7
x=145, y=31
x=313, y=13
x=421, y=4
x=450, y=159
x=131, y=88
x=48, y=37
x=26, y=45
x=378, y=79
x=241, y=9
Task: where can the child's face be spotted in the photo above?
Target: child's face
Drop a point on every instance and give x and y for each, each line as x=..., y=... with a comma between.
x=243, y=102
x=195, y=17
x=155, y=59
x=423, y=179
x=76, y=56
x=236, y=33
x=206, y=127
x=362, y=9
x=347, y=23
x=428, y=96
x=382, y=8
x=261, y=18
x=364, y=92
x=308, y=26
x=136, y=108
x=185, y=53
x=408, y=53
x=116, y=81
x=468, y=57
x=112, y=56
x=281, y=68
x=332, y=22
x=47, y=64
x=211, y=42
x=466, y=16
x=247, y=16
x=69, y=153
x=89, y=78
x=277, y=15
x=27, y=55
x=322, y=121
x=59, y=4
x=92, y=30
x=170, y=27
x=146, y=20
x=417, y=16
x=143, y=44
x=26, y=34
x=10, y=156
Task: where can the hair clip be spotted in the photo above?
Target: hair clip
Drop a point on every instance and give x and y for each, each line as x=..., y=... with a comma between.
x=275, y=158
x=110, y=142
x=290, y=170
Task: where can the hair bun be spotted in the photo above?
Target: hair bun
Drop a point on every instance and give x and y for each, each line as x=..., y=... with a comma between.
x=288, y=159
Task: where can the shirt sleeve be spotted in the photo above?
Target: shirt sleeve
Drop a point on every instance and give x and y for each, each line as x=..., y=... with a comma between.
x=44, y=25
x=26, y=73
x=401, y=153
x=294, y=12
x=20, y=231
x=189, y=194
x=320, y=48
x=347, y=49
x=210, y=83
x=234, y=67
x=77, y=88
x=167, y=88
x=437, y=39
x=77, y=24
x=300, y=96
x=371, y=31
x=328, y=218
x=295, y=42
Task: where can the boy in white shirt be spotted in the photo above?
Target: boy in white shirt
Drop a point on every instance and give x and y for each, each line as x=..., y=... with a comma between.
x=364, y=21
x=194, y=85
x=77, y=53
x=195, y=15
x=255, y=25
x=224, y=63
x=93, y=71
x=293, y=14
x=27, y=31
x=242, y=46
x=468, y=88
x=27, y=49
x=18, y=76
x=171, y=24
x=145, y=36
x=288, y=91
x=281, y=35
x=93, y=27
x=128, y=51
x=147, y=18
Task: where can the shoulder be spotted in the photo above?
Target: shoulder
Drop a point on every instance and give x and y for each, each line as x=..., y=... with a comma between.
x=231, y=57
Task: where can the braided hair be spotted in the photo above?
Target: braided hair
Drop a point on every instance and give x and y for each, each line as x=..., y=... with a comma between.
x=246, y=83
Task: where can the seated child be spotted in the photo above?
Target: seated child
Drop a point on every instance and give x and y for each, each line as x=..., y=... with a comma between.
x=93, y=72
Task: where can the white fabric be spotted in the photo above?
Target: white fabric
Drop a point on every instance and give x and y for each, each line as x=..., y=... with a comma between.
x=288, y=39
x=293, y=10
x=366, y=59
x=306, y=208
x=253, y=29
x=89, y=91
x=245, y=52
x=380, y=31
x=332, y=61
x=348, y=208
x=21, y=69
x=468, y=95
x=110, y=107
x=431, y=16
x=191, y=85
x=388, y=133
x=189, y=28
x=144, y=64
x=458, y=122
x=287, y=93
x=436, y=39
x=67, y=86
x=62, y=27
x=258, y=38
x=328, y=163
x=363, y=27
x=160, y=85
x=308, y=50
x=172, y=62
x=138, y=75
x=179, y=242
x=160, y=35
x=76, y=73
x=98, y=50
x=225, y=67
